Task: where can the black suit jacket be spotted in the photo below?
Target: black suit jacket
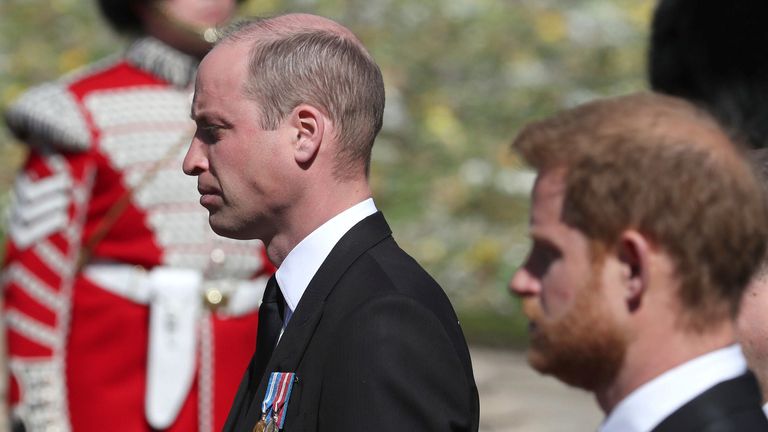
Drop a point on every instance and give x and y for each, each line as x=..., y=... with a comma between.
x=731, y=406
x=375, y=345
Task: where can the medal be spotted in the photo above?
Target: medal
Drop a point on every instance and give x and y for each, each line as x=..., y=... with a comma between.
x=271, y=426
x=273, y=408
x=261, y=424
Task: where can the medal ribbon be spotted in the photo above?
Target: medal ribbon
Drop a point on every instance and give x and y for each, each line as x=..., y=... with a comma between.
x=269, y=397
x=280, y=404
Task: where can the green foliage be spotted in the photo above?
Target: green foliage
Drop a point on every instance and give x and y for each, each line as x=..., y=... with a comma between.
x=462, y=77
x=490, y=328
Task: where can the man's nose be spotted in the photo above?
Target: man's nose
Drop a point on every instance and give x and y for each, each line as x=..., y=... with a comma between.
x=523, y=283
x=195, y=161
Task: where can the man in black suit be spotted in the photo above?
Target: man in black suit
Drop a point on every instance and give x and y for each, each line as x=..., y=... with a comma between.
x=287, y=110
x=647, y=223
x=713, y=55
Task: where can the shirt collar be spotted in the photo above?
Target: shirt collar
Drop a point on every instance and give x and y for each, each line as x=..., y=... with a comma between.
x=170, y=64
x=301, y=264
x=657, y=399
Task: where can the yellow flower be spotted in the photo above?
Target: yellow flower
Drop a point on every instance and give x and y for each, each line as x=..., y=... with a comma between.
x=550, y=26
x=640, y=13
x=441, y=122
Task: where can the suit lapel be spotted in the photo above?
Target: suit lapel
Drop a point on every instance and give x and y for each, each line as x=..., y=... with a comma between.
x=290, y=350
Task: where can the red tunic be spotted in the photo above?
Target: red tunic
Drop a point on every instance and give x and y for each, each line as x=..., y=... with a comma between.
x=78, y=339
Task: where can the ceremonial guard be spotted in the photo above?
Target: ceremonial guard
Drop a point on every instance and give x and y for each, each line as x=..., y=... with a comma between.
x=123, y=310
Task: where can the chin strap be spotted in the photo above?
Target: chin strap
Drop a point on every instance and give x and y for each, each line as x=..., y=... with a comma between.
x=207, y=34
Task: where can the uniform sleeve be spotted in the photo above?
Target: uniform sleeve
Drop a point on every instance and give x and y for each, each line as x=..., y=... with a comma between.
x=396, y=370
x=48, y=206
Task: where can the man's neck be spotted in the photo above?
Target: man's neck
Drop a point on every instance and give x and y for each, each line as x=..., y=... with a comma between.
x=319, y=208
x=652, y=355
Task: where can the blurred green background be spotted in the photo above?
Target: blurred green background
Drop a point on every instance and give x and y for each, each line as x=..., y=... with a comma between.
x=461, y=77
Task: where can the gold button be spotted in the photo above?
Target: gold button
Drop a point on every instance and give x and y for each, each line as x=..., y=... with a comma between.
x=211, y=35
x=213, y=296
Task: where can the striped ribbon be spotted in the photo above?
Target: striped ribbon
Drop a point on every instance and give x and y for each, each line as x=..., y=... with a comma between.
x=283, y=395
x=278, y=393
x=269, y=397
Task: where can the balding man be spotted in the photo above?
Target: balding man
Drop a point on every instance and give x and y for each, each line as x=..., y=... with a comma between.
x=353, y=334
x=647, y=223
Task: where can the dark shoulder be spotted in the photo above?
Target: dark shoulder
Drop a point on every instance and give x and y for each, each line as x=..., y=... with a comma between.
x=730, y=406
x=749, y=420
x=386, y=269
x=387, y=287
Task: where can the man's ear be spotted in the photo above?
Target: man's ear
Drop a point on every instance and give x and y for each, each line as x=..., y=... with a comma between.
x=309, y=124
x=634, y=251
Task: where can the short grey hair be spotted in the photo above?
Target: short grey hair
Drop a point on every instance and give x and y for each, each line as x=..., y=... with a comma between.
x=332, y=71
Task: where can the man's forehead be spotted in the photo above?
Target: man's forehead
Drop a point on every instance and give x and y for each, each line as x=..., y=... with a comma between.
x=226, y=54
x=221, y=72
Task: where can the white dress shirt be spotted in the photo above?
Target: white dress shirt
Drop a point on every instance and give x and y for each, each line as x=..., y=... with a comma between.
x=301, y=264
x=651, y=403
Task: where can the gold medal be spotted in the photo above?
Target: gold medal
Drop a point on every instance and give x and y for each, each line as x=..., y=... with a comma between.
x=271, y=426
x=261, y=424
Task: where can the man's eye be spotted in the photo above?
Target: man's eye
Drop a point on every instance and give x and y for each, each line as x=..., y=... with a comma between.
x=209, y=133
x=541, y=258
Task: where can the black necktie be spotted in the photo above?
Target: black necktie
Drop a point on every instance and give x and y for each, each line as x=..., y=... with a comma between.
x=270, y=324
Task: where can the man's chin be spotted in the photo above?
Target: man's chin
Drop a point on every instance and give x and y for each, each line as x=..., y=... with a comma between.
x=560, y=368
x=539, y=360
x=229, y=229
x=587, y=366
x=226, y=230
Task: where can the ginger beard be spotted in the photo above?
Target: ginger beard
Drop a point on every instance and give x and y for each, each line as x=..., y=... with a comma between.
x=585, y=347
